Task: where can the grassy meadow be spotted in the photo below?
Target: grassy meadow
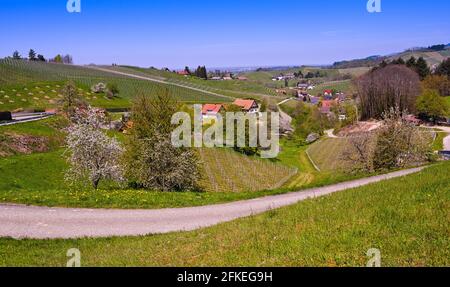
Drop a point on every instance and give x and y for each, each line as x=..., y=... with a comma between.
x=405, y=218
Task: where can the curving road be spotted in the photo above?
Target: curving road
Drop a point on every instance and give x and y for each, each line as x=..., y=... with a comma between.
x=19, y=221
x=444, y=130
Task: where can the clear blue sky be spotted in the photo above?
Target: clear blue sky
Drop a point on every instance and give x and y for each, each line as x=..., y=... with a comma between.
x=220, y=33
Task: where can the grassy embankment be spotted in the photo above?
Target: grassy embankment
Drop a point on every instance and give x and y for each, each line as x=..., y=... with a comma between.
x=406, y=218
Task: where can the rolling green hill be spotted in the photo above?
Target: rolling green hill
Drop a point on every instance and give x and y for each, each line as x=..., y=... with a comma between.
x=232, y=88
x=432, y=57
x=26, y=84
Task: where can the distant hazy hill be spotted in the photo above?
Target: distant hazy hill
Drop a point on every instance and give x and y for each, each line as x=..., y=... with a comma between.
x=433, y=55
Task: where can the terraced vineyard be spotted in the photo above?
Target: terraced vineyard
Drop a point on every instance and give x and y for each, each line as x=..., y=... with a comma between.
x=327, y=154
x=18, y=75
x=228, y=171
x=42, y=95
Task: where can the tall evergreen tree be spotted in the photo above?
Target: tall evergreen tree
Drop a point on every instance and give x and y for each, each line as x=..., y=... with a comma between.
x=422, y=68
x=411, y=63
x=204, y=73
x=444, y=68
x=399, y=61
x=32, y=55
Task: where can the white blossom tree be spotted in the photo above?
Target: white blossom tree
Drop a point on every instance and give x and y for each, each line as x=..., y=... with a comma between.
x=93, y=155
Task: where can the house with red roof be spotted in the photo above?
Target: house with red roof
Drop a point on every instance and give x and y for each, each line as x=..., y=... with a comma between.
x=211, y=111
x=183, y=73
x=326, y=105
x=248, y=106
x=327, y=92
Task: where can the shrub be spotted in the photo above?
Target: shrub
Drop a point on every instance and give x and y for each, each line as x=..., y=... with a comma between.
x=439, y=83
x=151, y=161
x=431, y=105
x=396, y=144
x=400, y=143
x=70, y=98
x=98, y=88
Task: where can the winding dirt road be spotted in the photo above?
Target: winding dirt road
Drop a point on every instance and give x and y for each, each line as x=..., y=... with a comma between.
x=19, y=221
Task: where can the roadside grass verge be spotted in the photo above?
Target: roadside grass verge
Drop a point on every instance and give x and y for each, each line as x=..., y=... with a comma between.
x=405, y=218
x=438, y=143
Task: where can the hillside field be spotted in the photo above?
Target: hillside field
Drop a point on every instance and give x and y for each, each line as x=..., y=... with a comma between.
x=37, y=85
x=232, y=88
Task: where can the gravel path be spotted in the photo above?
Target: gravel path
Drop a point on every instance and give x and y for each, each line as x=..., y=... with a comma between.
x=19, y=221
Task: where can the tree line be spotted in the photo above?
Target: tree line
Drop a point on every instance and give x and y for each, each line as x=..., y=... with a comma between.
x=34, y=57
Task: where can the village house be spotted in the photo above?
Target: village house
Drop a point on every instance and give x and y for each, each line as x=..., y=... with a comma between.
x=326, y=105
x=248, y=106
x=289, y=76
x=228, y=77
x=328, y=93
x=183, y=73
x=302, y=86
x=211, y=111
